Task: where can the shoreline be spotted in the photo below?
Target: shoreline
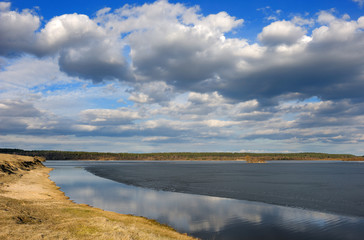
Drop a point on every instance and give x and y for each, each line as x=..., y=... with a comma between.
x=33, y=207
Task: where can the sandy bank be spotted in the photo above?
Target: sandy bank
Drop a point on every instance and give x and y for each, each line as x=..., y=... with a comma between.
x=32, y=207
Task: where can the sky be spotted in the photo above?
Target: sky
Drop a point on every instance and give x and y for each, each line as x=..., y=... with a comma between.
x=182, y=76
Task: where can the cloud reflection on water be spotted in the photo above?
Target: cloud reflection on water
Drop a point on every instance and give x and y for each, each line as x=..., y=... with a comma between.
x=196, y=213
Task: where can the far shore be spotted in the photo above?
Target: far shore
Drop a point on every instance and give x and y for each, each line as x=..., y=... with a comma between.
x=257, y=160
x=33, y=207
x=184, y=156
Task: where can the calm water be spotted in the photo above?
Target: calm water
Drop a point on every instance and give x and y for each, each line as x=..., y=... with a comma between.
x=206, y=217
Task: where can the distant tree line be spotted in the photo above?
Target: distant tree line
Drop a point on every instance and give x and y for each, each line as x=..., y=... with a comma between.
x=70, y=155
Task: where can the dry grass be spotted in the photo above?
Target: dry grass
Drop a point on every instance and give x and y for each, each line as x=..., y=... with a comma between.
x=32, y=207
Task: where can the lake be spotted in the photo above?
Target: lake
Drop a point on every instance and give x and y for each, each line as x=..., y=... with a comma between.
x=287, y=200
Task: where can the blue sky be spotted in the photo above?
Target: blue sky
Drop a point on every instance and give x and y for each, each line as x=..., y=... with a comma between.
x=160, y=76
x=244, y=9
x=254, y=13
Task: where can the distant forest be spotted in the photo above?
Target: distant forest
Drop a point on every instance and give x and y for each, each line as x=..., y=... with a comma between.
x=69, y=155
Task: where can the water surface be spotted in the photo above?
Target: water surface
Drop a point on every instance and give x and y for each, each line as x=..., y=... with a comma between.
x=206, y=217
x=336, y=187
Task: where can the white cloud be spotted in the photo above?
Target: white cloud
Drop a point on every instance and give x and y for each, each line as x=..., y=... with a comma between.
x=175, y=45
x=336, y=30
x=153, y=139
x=204, y=98
x=5, y=6
x=219, y=23
x=152, y=92
x=182, y=77
x=139, y=98
x=86, y=50
x=219, y=123
x=325, y=17
x=281, y=32
x=84, y=127
x=109, y=116
x=17, y=29
x=297, y=20
x=68, y=30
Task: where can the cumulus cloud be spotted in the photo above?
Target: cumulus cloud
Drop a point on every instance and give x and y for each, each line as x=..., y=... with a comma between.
x=200, y=58
x=95, y=64
x=177, y=45
x=17, y=30
x=164, y=43
x=281, y=32
x=68, y=30
x=152, y=92
x=335, y=29
x=182, y=73
x=326, y=64
x=85, y=49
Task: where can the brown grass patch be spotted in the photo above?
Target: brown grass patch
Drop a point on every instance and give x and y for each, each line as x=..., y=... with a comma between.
x=32, y=207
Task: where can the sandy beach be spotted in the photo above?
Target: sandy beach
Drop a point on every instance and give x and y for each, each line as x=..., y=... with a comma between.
x=33, y=207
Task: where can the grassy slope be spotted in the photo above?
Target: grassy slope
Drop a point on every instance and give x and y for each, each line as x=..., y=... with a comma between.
x=32, y=207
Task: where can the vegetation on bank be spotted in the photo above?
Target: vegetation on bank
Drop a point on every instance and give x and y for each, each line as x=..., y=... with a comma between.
x=68, y=155
x=32, y=207
x=249, y=159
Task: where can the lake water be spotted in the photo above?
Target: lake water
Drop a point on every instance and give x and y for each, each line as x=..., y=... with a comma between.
x=167, y=193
